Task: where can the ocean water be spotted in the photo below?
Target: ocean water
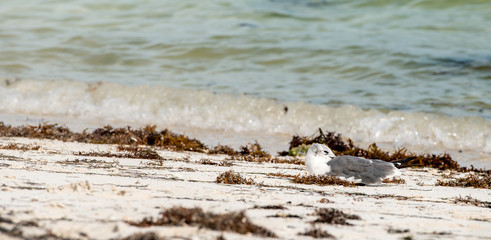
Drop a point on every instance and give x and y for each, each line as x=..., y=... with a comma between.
x=413, y=74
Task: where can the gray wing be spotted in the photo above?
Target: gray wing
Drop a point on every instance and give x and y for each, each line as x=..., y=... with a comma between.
x=369, y=171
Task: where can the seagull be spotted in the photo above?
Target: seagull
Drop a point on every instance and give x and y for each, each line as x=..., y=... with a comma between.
x=320, y=160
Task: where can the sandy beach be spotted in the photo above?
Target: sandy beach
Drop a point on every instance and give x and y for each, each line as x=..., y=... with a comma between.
x=68, y=190
x=151, y=120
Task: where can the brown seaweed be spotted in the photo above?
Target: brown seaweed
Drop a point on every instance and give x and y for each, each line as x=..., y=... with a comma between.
x=178, y=216
x=475, y=180
x=142, y=154
x=279, y=174
x=331, y=139
x=395, y=180
x=340, y=147
x=144, y=236
x=334, y=216
x=254, y=152
x=107, y=135
x=223, y=149
x=472, y=201
x=274, y=207
x=322, y=180
x=317, y=232
x=21, y=147
x=231, y=177
x=325, y=200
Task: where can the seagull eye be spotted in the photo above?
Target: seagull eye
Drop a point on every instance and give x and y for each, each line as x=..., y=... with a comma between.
x=326, y=152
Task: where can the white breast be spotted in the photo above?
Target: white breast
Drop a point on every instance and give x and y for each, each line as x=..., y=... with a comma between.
x=317, y=165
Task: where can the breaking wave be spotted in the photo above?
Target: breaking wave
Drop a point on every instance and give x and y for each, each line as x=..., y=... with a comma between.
x=109, y=103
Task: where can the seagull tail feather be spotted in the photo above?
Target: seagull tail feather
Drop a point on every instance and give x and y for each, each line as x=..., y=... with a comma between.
x=399, y=163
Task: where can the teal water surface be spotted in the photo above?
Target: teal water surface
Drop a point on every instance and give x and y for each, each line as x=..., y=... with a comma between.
x=416, y=56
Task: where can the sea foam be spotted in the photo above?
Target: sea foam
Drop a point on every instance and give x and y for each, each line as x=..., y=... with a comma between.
x=109, y=103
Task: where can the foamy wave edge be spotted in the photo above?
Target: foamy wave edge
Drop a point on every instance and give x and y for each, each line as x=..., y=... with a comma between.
x=106, y=102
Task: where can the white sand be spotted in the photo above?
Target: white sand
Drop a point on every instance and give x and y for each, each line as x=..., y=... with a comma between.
x=39, y=194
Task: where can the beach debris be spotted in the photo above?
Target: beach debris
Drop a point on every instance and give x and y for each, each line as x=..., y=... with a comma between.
x=325, y=200
x=231, y=177
x=222, y=149
x=395, y=180
x=397, y=231
x=137, y=153
x=91, y=163
x=334, y=216
x=331, y=139
x=144, y=236
x=322, y=180
x=279, y=174
x=346, y=147
x=21, y=147
x=254, y=152
x=284, y=215
x=317, y=232
x=205, y=161
x=107, y=135
x=300, y=150
x=471, y=201
x=24, y=229
x=476, y=180
x=274, y=207
x=220, y=237
x=236, y=222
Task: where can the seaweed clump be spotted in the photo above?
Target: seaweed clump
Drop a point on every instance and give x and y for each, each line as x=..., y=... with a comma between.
x=331, y=139
x=144, y=236
x=91, y=163
x=472, y=180
x=223, y=149
x=231, y=177
x=322, y=180
x=139, y=152
x=253, y=152
x=275, y=207
x=341, y=147
x=142, y=153
x=279, y=174
x=49, y=131
x=148, y=136
x=325, y=200
x=232, y=222
x=22, y=147
x=316, y=232
x=472, y=201
x=395, y=180
x=334, y=216
x=107, y=135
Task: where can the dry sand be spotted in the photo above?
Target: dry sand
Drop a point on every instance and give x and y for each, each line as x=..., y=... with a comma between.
x=51, y=193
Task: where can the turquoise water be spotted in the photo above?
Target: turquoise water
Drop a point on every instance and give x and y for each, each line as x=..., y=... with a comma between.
x=430, y=56
x=402, y=73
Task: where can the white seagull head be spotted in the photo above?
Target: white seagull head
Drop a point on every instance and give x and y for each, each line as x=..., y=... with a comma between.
x=317, y=158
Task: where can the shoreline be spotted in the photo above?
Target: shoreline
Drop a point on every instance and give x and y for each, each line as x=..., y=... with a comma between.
x=73, y=190
x=238, y=119
x=270, y=143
